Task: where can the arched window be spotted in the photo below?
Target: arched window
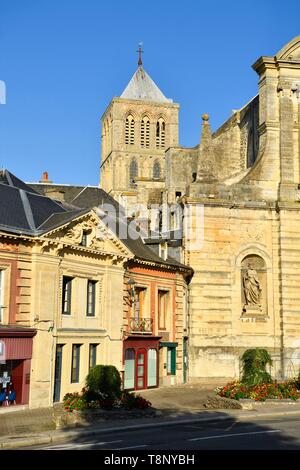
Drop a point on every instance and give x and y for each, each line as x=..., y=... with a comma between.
x=129, y=130
x=156, y=170
x=160, y=134
x=145, y=132
x=133, y=171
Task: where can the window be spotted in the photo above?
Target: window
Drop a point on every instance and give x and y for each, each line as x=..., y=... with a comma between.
x=163, y=298
x=91, y=298
x=75, y=363
x=129, y=130
x=145, y=132
x=156, y=170
x=163, y=250
x=129, y=368
x=160, y=133
x=133, y=171
x=66, y=295
x=1, y=296
x=92, y=355
x=152, y=368
x=84, y=240
x=139, y=302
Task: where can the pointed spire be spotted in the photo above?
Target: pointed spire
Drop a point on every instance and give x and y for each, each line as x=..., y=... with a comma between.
x=140, y=52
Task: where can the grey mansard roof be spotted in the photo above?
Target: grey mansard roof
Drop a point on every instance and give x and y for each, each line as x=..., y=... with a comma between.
x=142, y=87
x=24, y=211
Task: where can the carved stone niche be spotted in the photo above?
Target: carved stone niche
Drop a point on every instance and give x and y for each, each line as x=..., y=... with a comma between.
x=254, y=287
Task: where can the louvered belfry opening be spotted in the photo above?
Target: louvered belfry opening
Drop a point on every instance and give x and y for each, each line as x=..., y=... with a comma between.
x=129, y=130
x=145, y=132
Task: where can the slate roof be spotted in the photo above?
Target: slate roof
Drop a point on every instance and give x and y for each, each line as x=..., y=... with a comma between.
x=142, y=87
x=77, y=196
x=24, y=211
x=90, y=197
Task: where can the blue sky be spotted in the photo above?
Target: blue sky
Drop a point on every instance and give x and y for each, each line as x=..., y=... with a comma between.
x=63, y=60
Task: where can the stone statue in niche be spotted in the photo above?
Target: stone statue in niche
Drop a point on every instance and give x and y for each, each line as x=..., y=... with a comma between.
x=252, y=287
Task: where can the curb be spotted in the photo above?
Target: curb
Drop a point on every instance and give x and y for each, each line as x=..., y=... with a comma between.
x=60, y=436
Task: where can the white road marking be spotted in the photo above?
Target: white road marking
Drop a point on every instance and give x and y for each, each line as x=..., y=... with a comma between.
x=232, y=435
x=73, y=445
x=131, y=447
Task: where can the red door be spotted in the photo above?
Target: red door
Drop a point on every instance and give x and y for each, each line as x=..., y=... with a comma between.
x=17, y=378
x=141, y=369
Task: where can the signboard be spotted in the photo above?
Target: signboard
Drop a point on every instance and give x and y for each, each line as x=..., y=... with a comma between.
x=2, y=351
x=4, y=380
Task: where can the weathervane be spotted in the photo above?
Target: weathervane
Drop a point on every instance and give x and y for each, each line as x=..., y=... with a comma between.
x=140, y=51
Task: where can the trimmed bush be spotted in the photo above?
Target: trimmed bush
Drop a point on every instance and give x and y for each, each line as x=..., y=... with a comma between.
x=254, y=367
x=103, y=382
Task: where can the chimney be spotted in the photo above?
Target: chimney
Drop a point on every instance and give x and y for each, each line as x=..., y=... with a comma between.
x=45, y=178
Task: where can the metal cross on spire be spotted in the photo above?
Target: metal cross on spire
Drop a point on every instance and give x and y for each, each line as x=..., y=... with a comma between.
x=140, y=51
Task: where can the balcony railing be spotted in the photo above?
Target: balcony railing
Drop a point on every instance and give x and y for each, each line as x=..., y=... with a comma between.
x=141, y=325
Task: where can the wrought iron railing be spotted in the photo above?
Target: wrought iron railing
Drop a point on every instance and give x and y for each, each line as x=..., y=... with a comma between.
x=141, y=325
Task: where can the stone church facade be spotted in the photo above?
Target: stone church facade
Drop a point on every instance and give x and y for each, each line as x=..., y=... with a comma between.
x=245, y=178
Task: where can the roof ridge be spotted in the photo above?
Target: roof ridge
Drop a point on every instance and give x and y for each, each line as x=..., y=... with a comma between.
x=80, y=192
x=27, y=209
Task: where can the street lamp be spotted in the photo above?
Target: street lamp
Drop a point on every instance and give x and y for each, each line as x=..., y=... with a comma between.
x=131, y=283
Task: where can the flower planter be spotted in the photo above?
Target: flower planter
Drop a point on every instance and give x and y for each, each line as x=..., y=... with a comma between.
x=85, y=417
x=249, y=403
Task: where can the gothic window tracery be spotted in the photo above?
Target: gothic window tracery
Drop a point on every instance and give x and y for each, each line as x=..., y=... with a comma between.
x=133, y=171
x=160, y=133
x=156, y=170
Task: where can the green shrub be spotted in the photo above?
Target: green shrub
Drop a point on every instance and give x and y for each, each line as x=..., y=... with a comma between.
x=254, y=367
x=103, y=382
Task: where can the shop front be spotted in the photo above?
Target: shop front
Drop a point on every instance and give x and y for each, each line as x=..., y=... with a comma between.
x=15, y=363
x=141, y=362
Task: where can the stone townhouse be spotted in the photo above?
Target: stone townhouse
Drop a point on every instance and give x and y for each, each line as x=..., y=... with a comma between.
x=63, y=281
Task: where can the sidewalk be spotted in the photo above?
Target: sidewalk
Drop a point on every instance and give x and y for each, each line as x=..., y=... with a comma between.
x=173, y=406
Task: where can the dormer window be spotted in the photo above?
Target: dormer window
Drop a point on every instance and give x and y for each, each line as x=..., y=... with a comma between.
x=163, y=251
x=84, y=240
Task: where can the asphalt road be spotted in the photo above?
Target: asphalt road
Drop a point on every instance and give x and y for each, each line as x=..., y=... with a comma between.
x=281, y=433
